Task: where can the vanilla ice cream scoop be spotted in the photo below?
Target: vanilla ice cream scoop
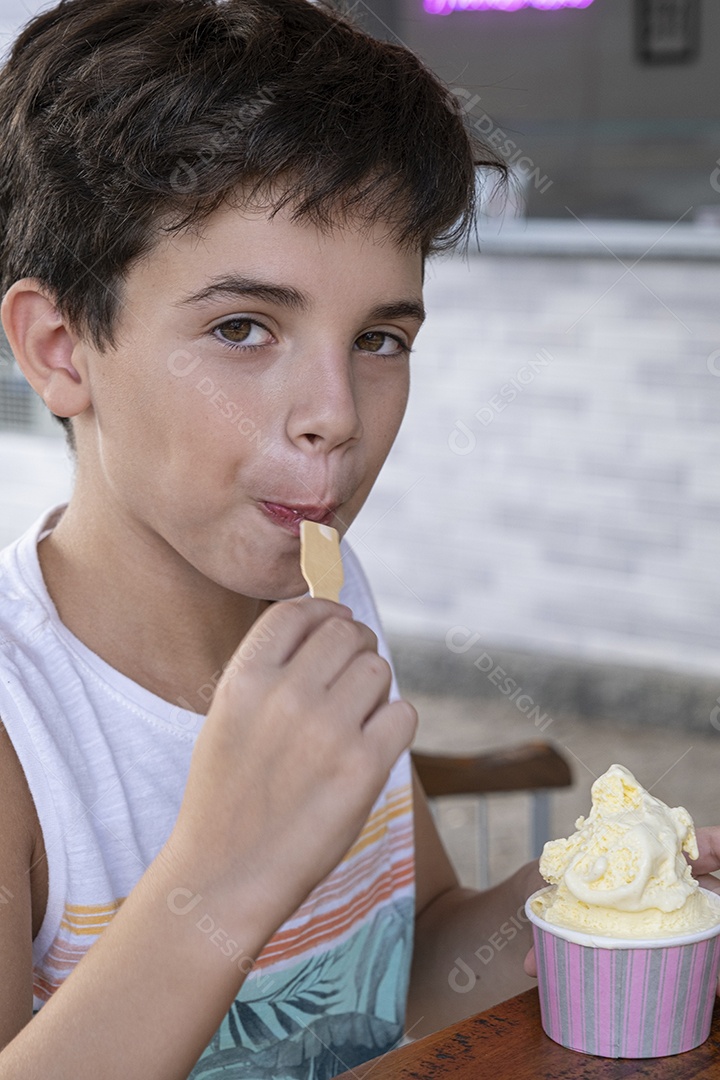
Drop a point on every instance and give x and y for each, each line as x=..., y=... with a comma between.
x=623, y=872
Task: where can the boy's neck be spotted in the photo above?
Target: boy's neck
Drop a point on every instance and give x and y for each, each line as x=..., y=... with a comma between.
x=144, y=612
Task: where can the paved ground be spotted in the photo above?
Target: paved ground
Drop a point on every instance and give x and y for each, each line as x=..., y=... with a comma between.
x=681, y=768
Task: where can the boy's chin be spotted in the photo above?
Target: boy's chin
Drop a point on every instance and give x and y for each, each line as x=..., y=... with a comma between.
x=290, y=589
x=291, y=593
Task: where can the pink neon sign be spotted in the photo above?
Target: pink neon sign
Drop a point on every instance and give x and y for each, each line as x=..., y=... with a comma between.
x=445, y=7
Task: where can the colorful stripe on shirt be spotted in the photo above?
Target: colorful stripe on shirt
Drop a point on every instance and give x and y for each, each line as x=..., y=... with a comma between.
x=378, y=869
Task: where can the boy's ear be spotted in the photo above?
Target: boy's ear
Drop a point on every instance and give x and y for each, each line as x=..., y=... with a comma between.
x=45, y=348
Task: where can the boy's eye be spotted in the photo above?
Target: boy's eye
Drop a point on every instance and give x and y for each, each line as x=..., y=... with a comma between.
x=377, y=341
x=243, y=332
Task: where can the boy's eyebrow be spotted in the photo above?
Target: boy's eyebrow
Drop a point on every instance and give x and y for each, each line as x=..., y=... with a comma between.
x=398, y=309
x=242, y=286
x=290, y=297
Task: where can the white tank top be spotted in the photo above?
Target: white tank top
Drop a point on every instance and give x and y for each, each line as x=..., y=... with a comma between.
x=107, y=761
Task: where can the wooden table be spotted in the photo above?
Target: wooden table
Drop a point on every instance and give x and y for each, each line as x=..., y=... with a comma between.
x=508, y=1043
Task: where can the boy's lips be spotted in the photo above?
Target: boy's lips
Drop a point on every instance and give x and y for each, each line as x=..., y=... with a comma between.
x=289, y=517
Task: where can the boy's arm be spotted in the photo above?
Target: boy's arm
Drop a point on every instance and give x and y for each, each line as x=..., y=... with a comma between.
x=17, y=815
x=148, y=996
x=469, y=945
x=293, y=753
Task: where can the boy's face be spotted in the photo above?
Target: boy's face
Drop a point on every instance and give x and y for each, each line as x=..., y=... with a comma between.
x=260, y=376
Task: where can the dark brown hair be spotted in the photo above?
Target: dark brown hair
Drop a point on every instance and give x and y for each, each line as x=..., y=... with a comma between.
x=119, y=118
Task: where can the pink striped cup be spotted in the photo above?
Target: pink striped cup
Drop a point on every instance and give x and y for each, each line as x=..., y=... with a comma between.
x=617, y=997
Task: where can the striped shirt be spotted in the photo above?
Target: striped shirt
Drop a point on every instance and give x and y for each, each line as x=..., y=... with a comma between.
x=107, y=762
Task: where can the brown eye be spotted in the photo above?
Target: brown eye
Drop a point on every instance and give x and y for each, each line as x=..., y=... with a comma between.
x=243, y=333
x=381, y=343
x=372, y=341
x=236, y=330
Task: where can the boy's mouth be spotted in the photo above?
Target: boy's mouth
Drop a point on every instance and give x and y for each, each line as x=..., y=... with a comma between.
x=289, y=517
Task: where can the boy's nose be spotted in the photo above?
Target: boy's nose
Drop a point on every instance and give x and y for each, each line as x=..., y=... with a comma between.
x=323, y=410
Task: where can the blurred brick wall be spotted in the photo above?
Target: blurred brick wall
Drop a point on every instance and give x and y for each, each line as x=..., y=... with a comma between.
x=556, y=485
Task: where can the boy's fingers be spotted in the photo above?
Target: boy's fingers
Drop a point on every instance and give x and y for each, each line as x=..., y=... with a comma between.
x=530, y=965
x=363, y=687
x=281, y=630
x=390, y=730
x=708, y=841
x=708, y=881
x=329, y=649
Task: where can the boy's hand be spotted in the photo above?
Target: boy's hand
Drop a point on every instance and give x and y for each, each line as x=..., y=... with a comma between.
x=708, y=860
x=294, y=751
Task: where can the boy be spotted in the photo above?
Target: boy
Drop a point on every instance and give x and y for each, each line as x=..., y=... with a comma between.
x=214, y=223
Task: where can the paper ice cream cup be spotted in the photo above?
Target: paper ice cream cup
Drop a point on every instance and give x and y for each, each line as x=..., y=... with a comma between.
x=617, y=997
